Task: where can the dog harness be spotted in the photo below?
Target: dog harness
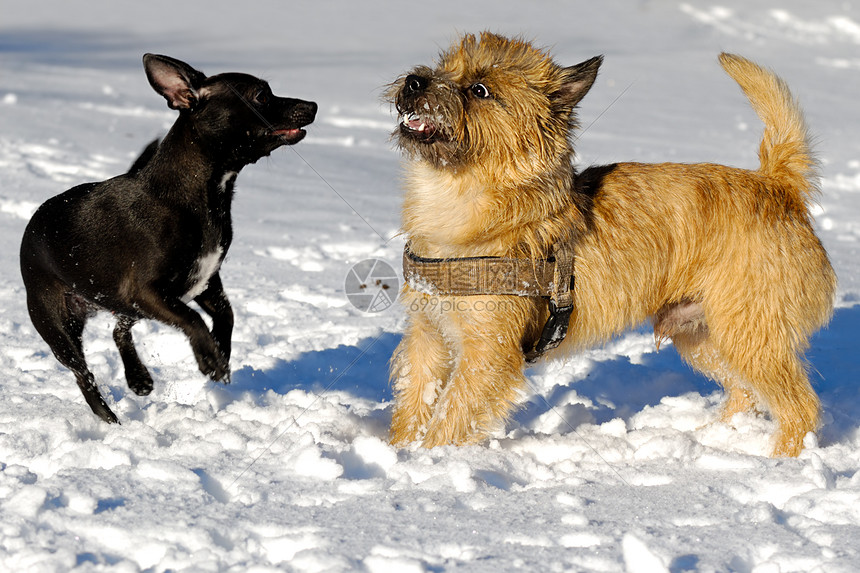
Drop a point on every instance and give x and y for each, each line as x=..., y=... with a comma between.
x=550, y=278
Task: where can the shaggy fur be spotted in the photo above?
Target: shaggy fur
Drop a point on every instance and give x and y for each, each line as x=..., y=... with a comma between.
x=724, y=261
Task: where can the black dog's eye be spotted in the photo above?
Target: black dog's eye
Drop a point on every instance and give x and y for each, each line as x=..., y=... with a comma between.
x=262, y=97
x=480, y=91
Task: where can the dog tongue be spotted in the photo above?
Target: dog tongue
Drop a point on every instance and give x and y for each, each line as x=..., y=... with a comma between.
x=414, y=122
x=286, y=132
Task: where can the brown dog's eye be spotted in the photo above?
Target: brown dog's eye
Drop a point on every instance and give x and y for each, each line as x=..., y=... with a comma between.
x=262, y=97
x=480, y=91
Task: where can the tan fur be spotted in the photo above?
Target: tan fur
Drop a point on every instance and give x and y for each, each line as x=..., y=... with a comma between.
x=724, y=261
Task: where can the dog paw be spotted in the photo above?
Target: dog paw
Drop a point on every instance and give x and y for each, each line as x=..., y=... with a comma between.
x=444, y=434
x=216, y=369
x=212, y=362
x=226, y=379
x=141, y=388
x=139, y=381
x=101, y=409
x=94, y=399
x=400, y=437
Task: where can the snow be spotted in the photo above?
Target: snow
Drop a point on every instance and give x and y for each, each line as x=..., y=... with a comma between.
x=613, y=463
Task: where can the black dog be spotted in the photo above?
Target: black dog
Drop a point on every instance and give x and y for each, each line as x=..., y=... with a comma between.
x=143, y=244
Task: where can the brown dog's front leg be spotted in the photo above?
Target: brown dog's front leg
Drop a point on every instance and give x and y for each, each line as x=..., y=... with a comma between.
x=488, y=370
x=419, y=371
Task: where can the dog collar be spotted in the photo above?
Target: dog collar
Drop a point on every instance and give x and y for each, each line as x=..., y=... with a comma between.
x=550, y=278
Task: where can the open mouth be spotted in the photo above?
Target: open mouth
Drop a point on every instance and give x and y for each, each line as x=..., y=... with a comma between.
x=416, y=126
x=289, y=136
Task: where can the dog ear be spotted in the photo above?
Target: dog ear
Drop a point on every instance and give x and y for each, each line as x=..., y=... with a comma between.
x=175, y=80
x=578, y=80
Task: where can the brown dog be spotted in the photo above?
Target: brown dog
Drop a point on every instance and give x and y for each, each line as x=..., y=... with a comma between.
x=724, y=261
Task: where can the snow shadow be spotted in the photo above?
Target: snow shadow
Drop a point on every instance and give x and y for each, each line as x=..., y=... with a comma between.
x=619, y=388
x=614, y=388
x=360, y=370
x=834, y=356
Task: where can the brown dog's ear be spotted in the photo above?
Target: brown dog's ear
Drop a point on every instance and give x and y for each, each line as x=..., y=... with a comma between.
x=578, y=80
x=175, y=80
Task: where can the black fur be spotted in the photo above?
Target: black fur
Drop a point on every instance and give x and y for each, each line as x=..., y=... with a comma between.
x=141, y=245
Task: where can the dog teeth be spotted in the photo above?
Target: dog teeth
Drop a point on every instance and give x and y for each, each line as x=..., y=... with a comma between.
x=414, y=122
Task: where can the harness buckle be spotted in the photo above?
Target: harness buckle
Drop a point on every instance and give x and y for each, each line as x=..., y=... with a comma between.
x=553, y=332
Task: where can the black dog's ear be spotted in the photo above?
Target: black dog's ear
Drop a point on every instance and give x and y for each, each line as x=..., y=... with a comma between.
x=175, y=80
x=578, y=80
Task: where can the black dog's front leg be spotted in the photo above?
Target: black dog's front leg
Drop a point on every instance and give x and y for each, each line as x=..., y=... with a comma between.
x=214, y=302
x=172, y=311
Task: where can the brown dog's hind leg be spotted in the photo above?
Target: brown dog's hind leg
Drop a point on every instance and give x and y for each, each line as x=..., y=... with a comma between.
x=780, y=380
x=759, y=364
x=685, y=324
x=697, y=350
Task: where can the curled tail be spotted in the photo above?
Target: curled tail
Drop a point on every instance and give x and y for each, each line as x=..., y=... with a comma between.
x=785, y=152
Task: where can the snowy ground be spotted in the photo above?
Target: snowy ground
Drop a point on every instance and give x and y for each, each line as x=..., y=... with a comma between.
x=612, y=464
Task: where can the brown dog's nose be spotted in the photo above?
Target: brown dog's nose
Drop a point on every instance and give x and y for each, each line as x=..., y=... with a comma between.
x=415, y=84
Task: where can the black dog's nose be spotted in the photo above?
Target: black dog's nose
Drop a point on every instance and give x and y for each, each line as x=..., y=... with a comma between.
x=308, y=108
x=415, y=83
